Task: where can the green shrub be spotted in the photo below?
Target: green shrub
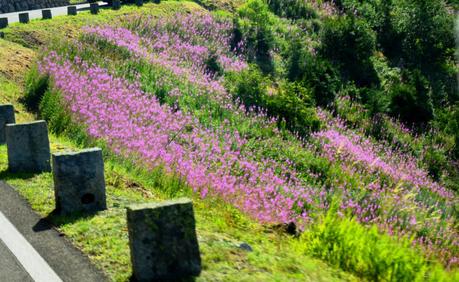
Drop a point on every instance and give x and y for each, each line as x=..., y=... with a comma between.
x=249, y=87
x=314, y=73
x=255, y=26
x=293, y=105
x=368, y=253
x=350, y=43
x=212, y=65
x=36, y=86
x=292, y=9
x=426, y=29
x=412, y=101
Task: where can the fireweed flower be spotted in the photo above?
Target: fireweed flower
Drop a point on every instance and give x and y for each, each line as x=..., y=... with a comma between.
x=184, y=52
x=391, y=191
x=399, y=196
x=212, y=161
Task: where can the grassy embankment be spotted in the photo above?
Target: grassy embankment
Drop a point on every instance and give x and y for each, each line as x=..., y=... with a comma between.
x=221, y=228
x=103, y=237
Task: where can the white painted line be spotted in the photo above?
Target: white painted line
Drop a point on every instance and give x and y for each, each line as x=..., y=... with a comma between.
x=30, y=259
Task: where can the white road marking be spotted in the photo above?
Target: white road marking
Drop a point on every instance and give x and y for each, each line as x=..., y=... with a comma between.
x=29, y=258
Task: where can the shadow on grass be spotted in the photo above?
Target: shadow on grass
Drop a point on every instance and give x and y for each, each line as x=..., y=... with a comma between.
x=8, y=175
x=56, y=219
x=188, y=279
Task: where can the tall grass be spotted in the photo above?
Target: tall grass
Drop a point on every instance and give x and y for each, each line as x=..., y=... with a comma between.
x=343, y=242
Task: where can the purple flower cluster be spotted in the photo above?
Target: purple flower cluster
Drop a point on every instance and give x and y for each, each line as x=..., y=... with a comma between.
x=182, y=51
x=376, y=184
x=212, y=161
x=389, y=189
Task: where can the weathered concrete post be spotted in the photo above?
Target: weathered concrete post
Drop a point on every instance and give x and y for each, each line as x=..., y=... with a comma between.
x=79, y=183
x=71, y=10
x=28, y=147
x=139, y=2
x=163, y=241
x=3, y=22
x=94, y=8
x=6, y=116
x=116, y=4
x=24, y=17
x=46, y=14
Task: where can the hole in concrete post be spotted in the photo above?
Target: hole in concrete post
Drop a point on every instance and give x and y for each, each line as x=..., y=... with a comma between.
x=88, y=198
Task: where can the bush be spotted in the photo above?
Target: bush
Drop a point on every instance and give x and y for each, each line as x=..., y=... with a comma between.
x=368, y=253
x=292, y=9
x=447, y=121
x=426, y=30
x=36, y=86
x=249, y=87
x=411, y=101
x=419, y=35
x=254, y=25
x=350, y=42
x=314, y=73
x=292, y=104
x=54, y=113
x=212, y=65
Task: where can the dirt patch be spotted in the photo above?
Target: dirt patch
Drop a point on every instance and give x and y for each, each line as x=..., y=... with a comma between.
x=15, y=60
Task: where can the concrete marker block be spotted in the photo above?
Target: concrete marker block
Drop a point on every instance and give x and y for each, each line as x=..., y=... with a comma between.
x=163, y=241
x=6, y=116
x=46, y=14
x=94, y=8
x=3, y=22
x=28, y=147
x=116, y=4
x=72, y=10
x=79, y=181
x=24, y=18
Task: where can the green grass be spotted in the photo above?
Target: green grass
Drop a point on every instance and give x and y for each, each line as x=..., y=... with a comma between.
x=368, y=253
x=39, y=33
x=221, y=228
x=103, y=237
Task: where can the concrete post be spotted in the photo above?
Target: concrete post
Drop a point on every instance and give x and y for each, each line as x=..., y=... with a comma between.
x=163, y=241
x=24, y=18
x=116, y=4
x=6, y=116
x=3, y=22
x=72, y=10
x=46, y=14
x=79, y=182
x=28, y=147
x=94, y=8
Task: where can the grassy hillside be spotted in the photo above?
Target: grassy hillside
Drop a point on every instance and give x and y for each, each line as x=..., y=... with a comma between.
x=103, y=237
x=280, y=142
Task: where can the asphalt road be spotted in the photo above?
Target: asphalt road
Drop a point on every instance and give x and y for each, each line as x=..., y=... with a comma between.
x=10, y=268
x=36, y=14
x=51, y=247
